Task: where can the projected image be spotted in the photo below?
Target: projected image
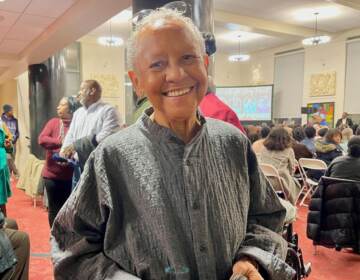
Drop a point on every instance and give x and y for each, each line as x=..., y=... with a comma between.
x=249, y=103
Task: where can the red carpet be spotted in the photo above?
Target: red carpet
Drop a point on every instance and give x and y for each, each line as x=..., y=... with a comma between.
x=34, y=221
x=326, y=265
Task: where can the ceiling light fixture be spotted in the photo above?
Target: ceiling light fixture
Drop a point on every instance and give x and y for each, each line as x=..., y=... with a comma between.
x=316, y=39
x=110, y=41
x=239, y=57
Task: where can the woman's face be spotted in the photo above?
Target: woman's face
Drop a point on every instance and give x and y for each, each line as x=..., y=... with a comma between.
x=337, y=138
x=171, y=70
x=63, y=109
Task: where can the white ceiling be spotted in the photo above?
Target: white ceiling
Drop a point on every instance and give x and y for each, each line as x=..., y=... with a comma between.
x=21, y=21
x=274, y=23
x=336, y=17
x=32, y=30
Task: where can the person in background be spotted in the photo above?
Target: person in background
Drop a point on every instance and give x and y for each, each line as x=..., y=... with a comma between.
x=11, y=122
x=90, y=125
x=329, y=148
x=300, y=150
x=211, y=106
x=321, y=133
x=346, y=133
x=348, y=166
x=344, y=120
x=278, y=153
x=5, y=190
x=57, y=176
x=14, y=251
x=151, y=202
x=12, y=125
x=141, y=105
x=309, y=140
x=259, y=144
x=357, y=131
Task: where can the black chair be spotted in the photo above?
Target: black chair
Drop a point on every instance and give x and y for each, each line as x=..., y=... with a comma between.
x=334, y=217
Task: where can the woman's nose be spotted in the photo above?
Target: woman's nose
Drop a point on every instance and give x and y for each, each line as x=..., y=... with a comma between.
x=174, y=73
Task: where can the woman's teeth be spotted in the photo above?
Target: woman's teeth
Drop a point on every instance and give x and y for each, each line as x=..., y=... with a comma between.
x=178, y=92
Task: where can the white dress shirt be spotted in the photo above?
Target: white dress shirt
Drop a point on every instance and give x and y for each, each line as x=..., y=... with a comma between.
x=99, y=118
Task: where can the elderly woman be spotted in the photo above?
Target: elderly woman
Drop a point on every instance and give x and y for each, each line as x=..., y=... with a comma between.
x=174, y=196
x=57, y=176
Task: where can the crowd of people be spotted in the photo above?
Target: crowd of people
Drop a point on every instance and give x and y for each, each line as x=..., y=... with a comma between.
x=177, y=195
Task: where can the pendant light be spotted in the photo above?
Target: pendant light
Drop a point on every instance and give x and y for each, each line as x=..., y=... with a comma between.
x=110, y=41
x=239, y=57
x=316, y=39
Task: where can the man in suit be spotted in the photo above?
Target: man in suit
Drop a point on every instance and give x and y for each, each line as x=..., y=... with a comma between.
x=344, y=120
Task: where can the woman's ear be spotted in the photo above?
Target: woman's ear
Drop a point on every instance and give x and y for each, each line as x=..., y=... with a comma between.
x=135, y=82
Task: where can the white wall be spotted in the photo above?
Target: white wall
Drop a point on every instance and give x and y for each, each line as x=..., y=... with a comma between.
x=105, y=64
x=260, y=68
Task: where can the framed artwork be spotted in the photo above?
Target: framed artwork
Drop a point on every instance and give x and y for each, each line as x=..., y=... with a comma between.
x=323, y=84
x=322, y=113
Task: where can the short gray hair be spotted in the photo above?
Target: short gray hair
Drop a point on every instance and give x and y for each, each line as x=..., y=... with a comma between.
x=151, y=19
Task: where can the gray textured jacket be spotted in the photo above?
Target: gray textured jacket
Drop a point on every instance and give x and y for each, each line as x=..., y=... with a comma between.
x=150, y=206
x=7, y=255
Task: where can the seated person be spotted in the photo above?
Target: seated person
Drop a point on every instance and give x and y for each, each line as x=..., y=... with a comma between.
x=309, y=140
x=259, y=144
x=347, y=167
x=300, y=150
x=14, y=265
x=175, y=195
x=321, y=132
x=346, y=133
x=278, y=153
x=329, y=148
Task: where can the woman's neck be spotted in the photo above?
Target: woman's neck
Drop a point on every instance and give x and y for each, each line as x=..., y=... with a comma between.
x=184, y=129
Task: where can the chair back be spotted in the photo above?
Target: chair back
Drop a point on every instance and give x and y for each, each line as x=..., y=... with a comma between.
x=271, y=172
x=312, y=163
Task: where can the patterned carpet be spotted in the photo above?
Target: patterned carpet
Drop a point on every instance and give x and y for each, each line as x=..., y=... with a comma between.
x=326, y=265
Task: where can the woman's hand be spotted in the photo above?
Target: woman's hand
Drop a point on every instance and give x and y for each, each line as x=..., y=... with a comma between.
x=246, y=267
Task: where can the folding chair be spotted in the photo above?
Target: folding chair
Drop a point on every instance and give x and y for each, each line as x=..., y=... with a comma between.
x=309, y=185
x=271, y=172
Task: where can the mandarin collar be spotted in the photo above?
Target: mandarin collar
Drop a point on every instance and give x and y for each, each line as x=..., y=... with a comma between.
x=164, y=133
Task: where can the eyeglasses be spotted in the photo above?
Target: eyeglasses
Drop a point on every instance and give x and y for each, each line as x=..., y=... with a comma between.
x=179, y=6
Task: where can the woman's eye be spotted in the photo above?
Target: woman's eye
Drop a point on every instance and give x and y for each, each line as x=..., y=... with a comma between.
x=156, y=65
x=188, y=58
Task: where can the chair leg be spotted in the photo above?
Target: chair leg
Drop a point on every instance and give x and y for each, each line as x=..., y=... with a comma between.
x=315, y=250
x=305, y=196
x=34, y=201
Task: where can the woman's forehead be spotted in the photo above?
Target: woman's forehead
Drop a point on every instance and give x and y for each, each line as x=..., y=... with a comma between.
x=162, y=28
x=155, y=39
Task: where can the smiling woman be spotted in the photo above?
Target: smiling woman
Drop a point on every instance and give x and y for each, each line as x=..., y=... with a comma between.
x=174, y=196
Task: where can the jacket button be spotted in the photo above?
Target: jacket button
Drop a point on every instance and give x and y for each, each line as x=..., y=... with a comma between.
x=203, y=248
x=196, y=205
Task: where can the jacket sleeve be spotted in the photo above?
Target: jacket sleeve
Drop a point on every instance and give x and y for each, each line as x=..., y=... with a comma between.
x=111, y=124
x=80, y=229
x=46, y=138
x=17, y=133
x=263, y=241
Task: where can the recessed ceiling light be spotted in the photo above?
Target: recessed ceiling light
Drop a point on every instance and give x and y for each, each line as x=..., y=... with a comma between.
x=110, y=41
